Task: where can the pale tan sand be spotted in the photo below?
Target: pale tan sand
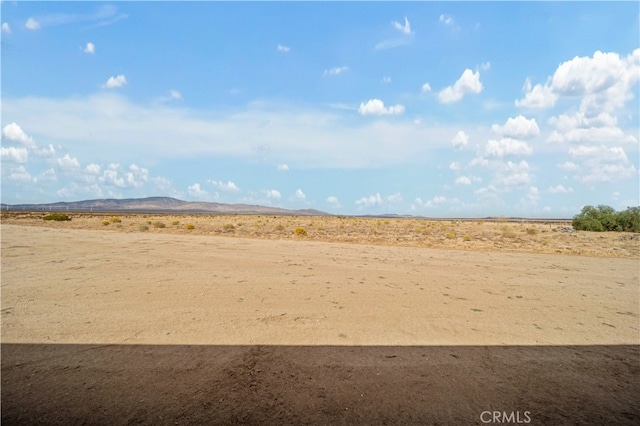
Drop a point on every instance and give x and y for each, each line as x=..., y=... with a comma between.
x=92, y=286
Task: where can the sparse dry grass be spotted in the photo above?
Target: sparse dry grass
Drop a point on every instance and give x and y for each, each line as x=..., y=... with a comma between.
x=489, y=234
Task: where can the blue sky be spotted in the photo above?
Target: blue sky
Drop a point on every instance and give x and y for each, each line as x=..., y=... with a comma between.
x=425, y=108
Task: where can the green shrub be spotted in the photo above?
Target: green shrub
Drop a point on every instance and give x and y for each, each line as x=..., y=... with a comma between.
x=605, y=218
x=57, y=217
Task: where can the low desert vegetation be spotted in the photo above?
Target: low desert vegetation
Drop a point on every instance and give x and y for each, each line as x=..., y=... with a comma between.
x=605, y=218
x=300, y=232
x=532, y=231
x=105, y=222
x=115, y=219
x=175, y=222
x=159, y=224
x=450, y=235
x=190, y=226
x=57, y=217
x=228, y=227
x=143, y=228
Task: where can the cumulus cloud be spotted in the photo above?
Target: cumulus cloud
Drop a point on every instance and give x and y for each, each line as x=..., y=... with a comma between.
x=336, y=70
x=68, y=162
x=283, y=49
x=6, y=28
x=196, y=191
x=405, y=29
x=446, y=19
x=469, y=82
x=507, y=146
x=602, y=163
x=370, y=201
x=13, y=154
x=460, y=140
x=115, y=82
x=532, y=197
x=273, y=194
x=395, y=198
x=93, y=169
x=300, y=195
x=175, y=94
x=514, y=174
x=602, y=81
x=386, y=80
x=333, y=201
x=426, y=88
x=376, y=107
x=438, y=199
x=13, y=132
x=518, y=127
x=90, y=48
x=568, y=166
x=32, y=24
x=20, y=174
x=463, y=180
x=228, y=187
x=559, y=189
x=283, y=167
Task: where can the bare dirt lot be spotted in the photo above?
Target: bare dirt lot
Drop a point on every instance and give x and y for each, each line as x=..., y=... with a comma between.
x=360, y=321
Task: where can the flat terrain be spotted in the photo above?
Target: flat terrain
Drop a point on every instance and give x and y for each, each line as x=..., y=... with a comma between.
x=361, y=321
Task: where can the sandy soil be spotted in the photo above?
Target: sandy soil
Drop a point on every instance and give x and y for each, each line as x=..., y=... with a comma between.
x=111, y=324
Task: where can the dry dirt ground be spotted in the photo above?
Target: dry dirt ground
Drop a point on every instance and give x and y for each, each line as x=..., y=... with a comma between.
x=361, y=321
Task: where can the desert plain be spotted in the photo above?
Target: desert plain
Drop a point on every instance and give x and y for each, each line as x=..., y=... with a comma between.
x=139, y=318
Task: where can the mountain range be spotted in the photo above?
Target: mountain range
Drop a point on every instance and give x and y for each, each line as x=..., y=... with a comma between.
x=160, y=205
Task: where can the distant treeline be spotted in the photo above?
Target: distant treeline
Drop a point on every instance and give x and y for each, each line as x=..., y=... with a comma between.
x=605, y=218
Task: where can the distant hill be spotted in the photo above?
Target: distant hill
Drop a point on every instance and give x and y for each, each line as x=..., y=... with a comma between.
x=160, y=205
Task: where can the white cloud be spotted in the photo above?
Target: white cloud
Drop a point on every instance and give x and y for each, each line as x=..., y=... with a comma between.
x=48, y=175
x=463, y=180
x=460, y=140
x=93, y=169
x=300, y=195
x=603, y=81
x=371, y=201
x=568, y=166
x=6, y=28
x=376, y=107
x=390, y=44
x=469, y=82
x=579, y=120
x=485, y=66
x=196, y=191
x=507, y=146
x=283, y=49
x=228, y=187
x=283, y=167
x=538, y=96
x=559, y=189
x=446, y=19
x=90, y=48
x=16, y=155
x=518, y=127
x=405, y=29
x=114, y=82
x=514, y=174
x=395, y=198
x=455, y=166
x=14, y=132
x=467, y=180
x=592, y=135
x=438, y=199
x=32, y=24
x=426, y=88
x=68, y=162
x=20, y=174
x=273, y=194
x=336, y=70
x=175, y=94
x=386, y=80
x=333, y=201
x=603, y=164
x=532, y=197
